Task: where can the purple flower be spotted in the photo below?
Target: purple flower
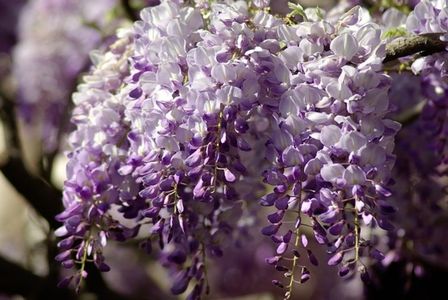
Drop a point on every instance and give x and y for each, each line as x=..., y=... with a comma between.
x=53, y=48
x=180, y=121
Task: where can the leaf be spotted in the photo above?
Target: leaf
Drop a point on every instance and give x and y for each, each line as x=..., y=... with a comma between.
x=319, y=13
x=296, y=10
x=394, y=32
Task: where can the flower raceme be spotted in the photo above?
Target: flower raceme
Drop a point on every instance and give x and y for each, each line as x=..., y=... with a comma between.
x=421, y=148
x=55, y=38
x=180, y=122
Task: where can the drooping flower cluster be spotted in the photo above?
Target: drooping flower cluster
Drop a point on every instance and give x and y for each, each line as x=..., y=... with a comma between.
x=179, y=122
x=190, y=115
x=55, y=38
x=420, y=189
x=433, y=71
x=94, y=183
x=418, y=96
x=432, y=17
x=332, y=150
x=175, y=160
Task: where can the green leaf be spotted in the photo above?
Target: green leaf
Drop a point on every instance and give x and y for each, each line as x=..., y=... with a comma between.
x=394, y=32
x=296, y=10
x=319, y=13
x=293, y=6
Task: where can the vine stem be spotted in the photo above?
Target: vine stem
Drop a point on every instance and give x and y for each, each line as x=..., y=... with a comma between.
x=204, y=259
x=83, y=262
x=357, y=232
x=295, y=258
x=218, y=148
x=294, y=264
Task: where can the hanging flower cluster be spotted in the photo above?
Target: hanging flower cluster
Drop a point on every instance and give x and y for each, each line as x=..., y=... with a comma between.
x=421, y=169
x=432, y=17
x=188, y=113
x=55, y=38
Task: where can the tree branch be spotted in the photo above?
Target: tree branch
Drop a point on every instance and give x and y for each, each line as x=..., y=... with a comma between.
x=7, y=115
x=18, y=281
x=43, y=197
x=40, y=195
x=425, y=44
x=15, y=280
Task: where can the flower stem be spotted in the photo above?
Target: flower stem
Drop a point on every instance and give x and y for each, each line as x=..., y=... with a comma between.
x=357, y=232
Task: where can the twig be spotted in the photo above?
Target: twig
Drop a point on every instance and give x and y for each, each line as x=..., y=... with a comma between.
x=425, y=44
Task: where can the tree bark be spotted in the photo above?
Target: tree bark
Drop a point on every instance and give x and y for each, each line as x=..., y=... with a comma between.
x=425, y=44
